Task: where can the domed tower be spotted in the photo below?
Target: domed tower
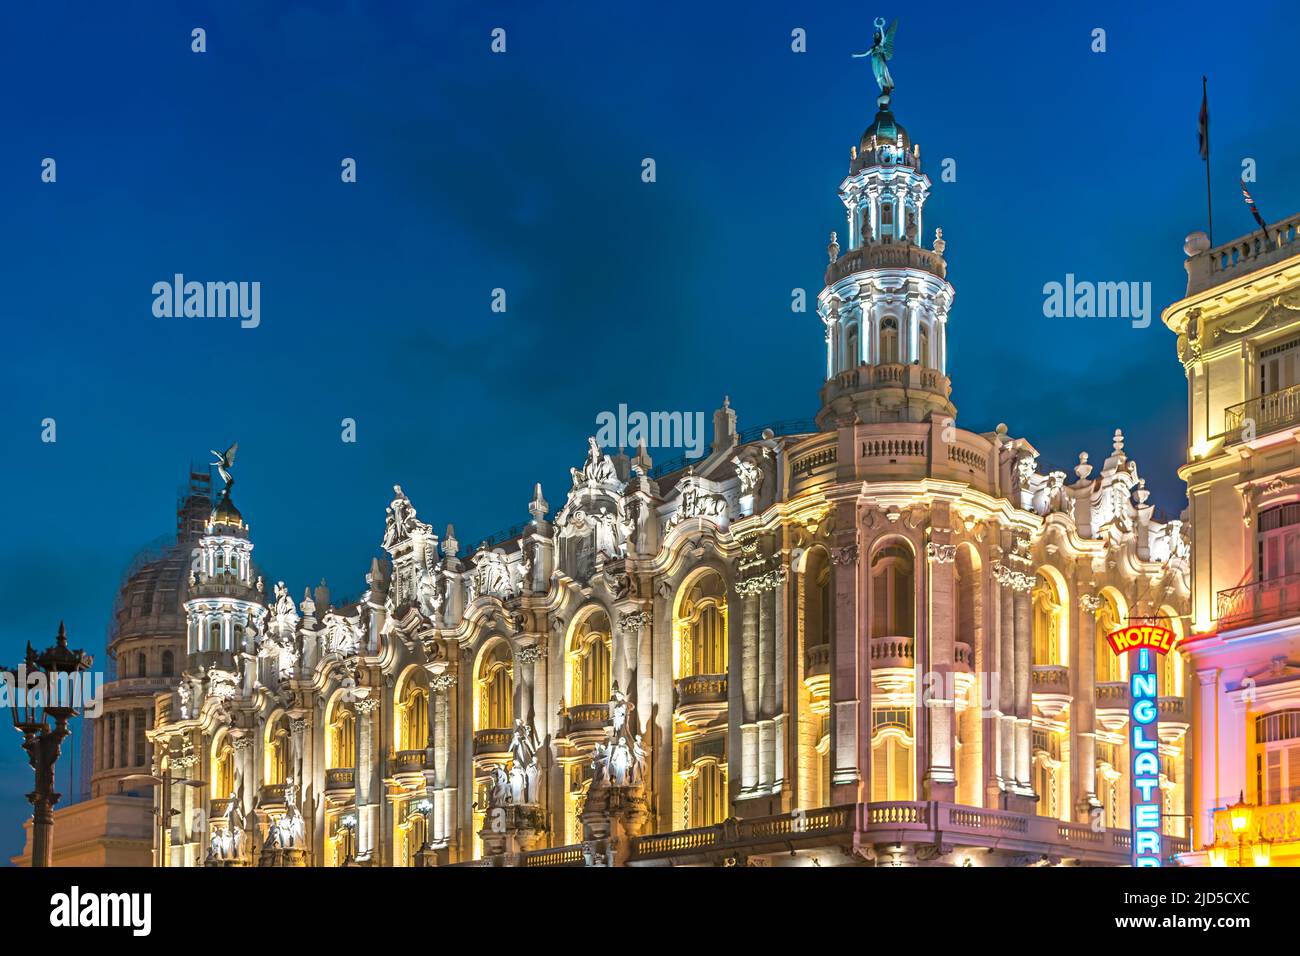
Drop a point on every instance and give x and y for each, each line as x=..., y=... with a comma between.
x=886, y=300
x=146, y=647
x=225, y=606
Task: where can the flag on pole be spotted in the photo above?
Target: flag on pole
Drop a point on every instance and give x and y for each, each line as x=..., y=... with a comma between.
x=1254, y=210
x=1203, y=127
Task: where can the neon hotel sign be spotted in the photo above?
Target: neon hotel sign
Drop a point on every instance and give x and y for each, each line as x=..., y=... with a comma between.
x=1144, y=644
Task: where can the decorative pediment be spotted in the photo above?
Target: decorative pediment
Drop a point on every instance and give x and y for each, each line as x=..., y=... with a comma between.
x=342, y=635
x=492, y=576
x=696, y=497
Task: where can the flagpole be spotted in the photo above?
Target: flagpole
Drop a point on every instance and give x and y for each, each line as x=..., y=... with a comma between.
x=1209, y=204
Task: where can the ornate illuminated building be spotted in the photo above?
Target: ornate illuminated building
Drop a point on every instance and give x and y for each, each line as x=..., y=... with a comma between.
x=1238, y=333
x=876, y=637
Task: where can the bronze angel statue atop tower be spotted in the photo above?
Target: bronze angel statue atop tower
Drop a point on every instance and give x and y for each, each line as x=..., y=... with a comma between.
x=881, y=52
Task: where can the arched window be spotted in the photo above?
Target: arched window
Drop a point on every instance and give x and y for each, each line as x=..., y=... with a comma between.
x=1048, y=619
x=702, y=629
x=1109, y=668
x=889, y=341
x=168, y=664
x=414, y=716
x=214, y=636
x=223, y=770
x=892, y=754
x=892, y=598
x=496, y=689
x=708, y=794
x=341, y=738
x=925, y=347
x=278, y=751
x=589, y=662
x=142, y=665
x=852, y=348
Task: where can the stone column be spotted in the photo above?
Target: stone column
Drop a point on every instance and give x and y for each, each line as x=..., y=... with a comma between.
x=1205, y=732
x=851, y=677
x=1024, y=705
x=1007, y=681
x=749, y=638
x=940, y=777
x=766, y=690
x=367, y=835
x=1083, y=687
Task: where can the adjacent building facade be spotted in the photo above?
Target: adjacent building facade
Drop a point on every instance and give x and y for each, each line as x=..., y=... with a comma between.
x=1239, y=341
x=873, y=638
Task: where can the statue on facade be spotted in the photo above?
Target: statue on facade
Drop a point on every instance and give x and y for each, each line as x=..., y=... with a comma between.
x=597, y=468
x=400, y=521
x=523, y=763
x=880, y=53
x=498, y=788
x=284, y=606
x=289, y=828
x=233, y=839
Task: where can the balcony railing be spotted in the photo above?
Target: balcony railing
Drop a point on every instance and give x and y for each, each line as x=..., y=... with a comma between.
x=817, y=660
x=1050, y=679
x=902, y=255
x=340, y=778
x=1274, y=599
x=492, y=742
x=1267, y=413
x=585, y=719
x=892, y=652
x=702, y=689
x=408, y=761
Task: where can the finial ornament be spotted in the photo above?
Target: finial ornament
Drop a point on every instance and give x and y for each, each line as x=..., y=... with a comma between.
x=880, y=53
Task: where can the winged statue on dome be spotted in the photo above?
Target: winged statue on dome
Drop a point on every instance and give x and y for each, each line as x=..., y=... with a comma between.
x=881, y=52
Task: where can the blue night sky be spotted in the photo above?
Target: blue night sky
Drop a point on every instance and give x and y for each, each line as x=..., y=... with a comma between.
x=522, y=171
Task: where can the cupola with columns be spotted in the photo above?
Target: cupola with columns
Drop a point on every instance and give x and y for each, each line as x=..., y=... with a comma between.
x=886, y=300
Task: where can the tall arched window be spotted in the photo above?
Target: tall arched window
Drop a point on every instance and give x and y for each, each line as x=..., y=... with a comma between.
x=278, y=751
x=142, y=665
x=496, y=689
x=892, y=597
x=1048, y=619
x=1107, y=663
x=414, y=718
x=590, y=652
x=223, y=770
x=168, y=664
x=341, y=738
x=852, y=348
x=702, y=629
x=889, y=341
x=925, y=347
x=708, y=794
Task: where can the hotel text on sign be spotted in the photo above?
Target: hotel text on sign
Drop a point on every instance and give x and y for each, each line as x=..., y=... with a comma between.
x=1144, y=643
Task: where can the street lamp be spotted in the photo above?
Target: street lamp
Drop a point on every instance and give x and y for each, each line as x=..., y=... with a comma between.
x=1240, y=817
x=49, y=698
x=349, y=827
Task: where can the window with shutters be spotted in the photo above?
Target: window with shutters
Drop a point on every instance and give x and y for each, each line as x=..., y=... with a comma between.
x=1278, y=762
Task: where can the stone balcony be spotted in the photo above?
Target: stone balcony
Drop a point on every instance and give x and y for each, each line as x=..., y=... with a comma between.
x=701, y=698
x=1113, y=702
x=912, y=378
x=271, y=796
x=1243, y=256
x=1050, y=687
x=582, y=726
x=893, y=652
x=893, y=832
x=492, y=745
x=1175, y=719
x=408, y=763
x=817, y=661
x=899, y=255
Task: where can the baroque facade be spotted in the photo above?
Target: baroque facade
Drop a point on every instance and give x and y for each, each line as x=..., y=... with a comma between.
x=878, y=637
x=1238, y=333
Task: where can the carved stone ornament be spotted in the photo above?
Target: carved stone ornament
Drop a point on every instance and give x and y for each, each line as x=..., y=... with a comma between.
x=635, y=621
x=941, y=553
x=846, y=555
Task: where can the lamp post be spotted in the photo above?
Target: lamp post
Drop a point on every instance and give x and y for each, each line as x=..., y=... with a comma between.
x=42, y=709
x=1240, y=816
